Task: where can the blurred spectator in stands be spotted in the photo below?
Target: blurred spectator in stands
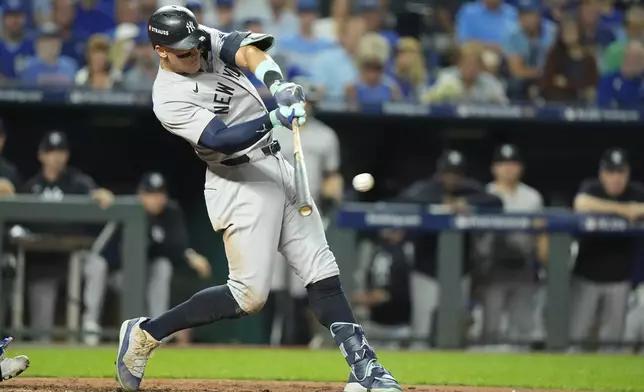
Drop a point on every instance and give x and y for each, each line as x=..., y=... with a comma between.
x=386, y=290
x=15, y=47
x=373, y=86
x=92, y=18
x=49, y=68
x=633, y=31
x=373, y=14
x=281, y=22
x=146, y=65
x=609, y=16
x=10, y=181
x=334, y=26
x=593, y=33
x=602, y=270
x=525, y=49
x=508, y=271
x=485, y=22
x=98, y=74
x=63, y=14
x=225, y=16
x=449, y=190
x=147, y=8
x=570, y=73
x=45, y=270
x=335, y=69
x=555, y=10
x=197, y=9
x=466, y=81
x=168, y=253
x=300, y=50
x=127, y=13
x=443, y=14
x=624, y=88
x=409, y=69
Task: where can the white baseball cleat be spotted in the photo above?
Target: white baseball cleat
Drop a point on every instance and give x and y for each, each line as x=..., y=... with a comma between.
x=11, y=367
x=135, y=347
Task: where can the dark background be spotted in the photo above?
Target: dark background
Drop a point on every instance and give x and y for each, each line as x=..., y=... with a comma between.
x=116, y=145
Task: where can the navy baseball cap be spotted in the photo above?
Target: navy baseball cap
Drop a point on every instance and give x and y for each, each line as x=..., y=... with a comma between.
x=195, y=5
x=54, y=141
x=225, y=3
x=507, y=153
x=14, y=6
x=529, y=6
x=368, y=5
x=615, y=159
x=452, y=161
x=153, y=182
x=308, y=5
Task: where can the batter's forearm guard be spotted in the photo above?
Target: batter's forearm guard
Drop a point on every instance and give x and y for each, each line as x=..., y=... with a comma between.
x=269, y=72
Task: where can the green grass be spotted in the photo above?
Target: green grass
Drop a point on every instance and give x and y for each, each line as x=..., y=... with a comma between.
x=591, y=372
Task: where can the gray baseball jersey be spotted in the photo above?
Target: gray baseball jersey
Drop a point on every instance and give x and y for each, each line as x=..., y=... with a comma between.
x=252, y=203
x=185, y=104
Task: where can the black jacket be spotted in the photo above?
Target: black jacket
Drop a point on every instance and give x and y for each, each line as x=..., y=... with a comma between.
x=432, y=191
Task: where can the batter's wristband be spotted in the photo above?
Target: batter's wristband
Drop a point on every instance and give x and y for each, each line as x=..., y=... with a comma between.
x=269, y=72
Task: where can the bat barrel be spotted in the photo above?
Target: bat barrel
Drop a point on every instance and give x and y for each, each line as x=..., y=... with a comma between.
x=303, y=198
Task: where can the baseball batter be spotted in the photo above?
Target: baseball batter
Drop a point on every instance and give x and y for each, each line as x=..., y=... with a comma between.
x=201, y=95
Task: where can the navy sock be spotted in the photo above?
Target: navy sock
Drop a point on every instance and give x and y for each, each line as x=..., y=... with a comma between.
x=328, y=302
x=205, y=307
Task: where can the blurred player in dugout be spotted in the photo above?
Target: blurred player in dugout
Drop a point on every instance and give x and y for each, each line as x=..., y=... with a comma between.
x=286, y=310
x=170, y=260
x=45, y=270
x=383, y=287
x=508, y=263
x=451, y=190
x=601, y=277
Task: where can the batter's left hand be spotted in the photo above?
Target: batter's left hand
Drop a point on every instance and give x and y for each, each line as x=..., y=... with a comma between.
x=287, y=94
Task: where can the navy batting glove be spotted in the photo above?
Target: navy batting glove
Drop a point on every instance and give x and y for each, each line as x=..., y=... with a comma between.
x=287, y=93
x=284, y=116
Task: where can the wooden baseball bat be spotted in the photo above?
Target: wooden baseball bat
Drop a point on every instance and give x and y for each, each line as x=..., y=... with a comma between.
x=302, y=191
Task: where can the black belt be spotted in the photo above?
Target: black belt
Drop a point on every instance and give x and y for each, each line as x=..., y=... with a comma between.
x=271, y=149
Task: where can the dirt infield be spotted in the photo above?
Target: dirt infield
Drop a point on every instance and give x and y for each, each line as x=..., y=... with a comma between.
x=102, y=384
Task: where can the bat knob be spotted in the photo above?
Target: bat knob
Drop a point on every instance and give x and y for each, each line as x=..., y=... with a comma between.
x=306, y=210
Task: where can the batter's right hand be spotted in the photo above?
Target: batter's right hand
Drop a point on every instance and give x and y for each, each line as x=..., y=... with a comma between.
x=284, y=116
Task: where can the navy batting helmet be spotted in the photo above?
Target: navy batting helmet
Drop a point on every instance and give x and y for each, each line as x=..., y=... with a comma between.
x=175, y=27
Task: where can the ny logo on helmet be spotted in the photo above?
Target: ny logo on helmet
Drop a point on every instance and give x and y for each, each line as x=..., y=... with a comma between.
x=191, y=27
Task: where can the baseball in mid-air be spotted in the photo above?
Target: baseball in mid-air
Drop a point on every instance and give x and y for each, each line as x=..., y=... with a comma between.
x=363, y=182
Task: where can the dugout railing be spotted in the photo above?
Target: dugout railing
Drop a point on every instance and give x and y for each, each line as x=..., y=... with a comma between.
x=125, y=210
x=560, y=225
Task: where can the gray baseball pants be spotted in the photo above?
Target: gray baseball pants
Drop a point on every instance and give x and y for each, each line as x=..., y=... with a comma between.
x=515, y=298
x=588, y=299
x=43, y=294
x=425, y=297
x=97, y=279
